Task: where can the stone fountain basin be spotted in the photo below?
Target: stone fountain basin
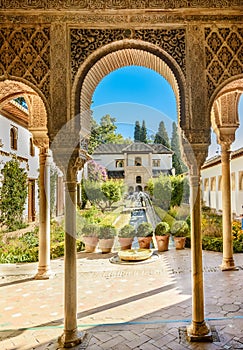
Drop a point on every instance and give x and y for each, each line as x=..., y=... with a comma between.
x=135, y=254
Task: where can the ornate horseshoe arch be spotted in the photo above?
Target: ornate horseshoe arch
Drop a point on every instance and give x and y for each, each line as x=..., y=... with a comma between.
x=121, y=53
x=37, y=121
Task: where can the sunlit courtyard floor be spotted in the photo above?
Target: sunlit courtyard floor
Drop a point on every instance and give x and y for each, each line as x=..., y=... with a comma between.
x=139, y=306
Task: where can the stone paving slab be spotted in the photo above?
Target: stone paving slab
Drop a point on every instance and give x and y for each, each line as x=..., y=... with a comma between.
x=119, y=306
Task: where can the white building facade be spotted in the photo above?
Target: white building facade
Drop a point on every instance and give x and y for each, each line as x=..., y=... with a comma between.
x=136, y=163
x=15, y=139
x=211, y=173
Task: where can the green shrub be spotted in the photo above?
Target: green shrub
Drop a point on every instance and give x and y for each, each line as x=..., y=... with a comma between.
x=162, y=229
x=145, y=229
x=14, y=186
x=31, y=239
x=107, y=231
x=179, y=229
x=212, y=243
x=57, y=250
x=91, y=230
x=127, y=231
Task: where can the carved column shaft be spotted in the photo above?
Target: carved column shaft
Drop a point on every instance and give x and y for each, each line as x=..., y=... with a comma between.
x=44, y=215
x=225, y=121
x=71, y=164
x=198, y=330
x=228, y=260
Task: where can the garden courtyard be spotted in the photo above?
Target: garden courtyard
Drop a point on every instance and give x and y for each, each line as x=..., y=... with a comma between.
x=140, y=306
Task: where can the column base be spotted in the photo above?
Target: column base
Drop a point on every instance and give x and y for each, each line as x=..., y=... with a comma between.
x=228, y=265
x=199, y=332
x=43, y=274
x=70, y=339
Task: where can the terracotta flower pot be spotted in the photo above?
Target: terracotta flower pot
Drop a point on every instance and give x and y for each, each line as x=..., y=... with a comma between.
x=125, y=242
x=180, y=242
x=162, y=242
x=144, y=242
x=90, y=244
x=106, y=245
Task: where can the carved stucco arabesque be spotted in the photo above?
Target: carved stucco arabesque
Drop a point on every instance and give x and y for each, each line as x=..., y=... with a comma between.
x=85, y=41
x=25, y=53
x=116, y=5
x=223, y=57
x=224, y=54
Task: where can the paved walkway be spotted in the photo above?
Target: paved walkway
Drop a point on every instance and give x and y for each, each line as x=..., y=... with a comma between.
x=142, y=306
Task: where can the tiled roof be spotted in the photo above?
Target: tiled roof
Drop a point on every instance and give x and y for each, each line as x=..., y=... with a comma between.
x=216, y=159
x=136, y=147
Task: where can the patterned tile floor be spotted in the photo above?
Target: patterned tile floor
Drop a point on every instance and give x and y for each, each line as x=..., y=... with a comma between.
x=141, y=306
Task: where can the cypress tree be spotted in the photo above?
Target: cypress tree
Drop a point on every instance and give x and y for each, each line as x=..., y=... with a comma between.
x=175, y=146
x=162, y=135
x=137, y=131
x=143, y=133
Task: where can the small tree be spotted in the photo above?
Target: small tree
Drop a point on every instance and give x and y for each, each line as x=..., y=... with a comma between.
x=162, y=192
x=112, y=190
x=13, y=195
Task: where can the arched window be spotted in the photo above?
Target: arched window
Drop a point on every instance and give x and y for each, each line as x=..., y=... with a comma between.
x=138, y=161
x=13, y=137
x=213, y=183
x=206, y=184
x=220, y=183
x=138, y=179
x=32, y=148
x=241, y=180
x=120, y=163
x=233, y=181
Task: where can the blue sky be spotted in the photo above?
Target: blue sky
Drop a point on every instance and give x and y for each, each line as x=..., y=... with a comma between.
x=138, y=93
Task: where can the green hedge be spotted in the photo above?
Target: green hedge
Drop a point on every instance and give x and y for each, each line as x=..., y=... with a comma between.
x=216, y=244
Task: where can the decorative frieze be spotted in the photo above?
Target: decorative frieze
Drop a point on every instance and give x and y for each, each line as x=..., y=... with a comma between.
x=86, y=41
x=115, y=4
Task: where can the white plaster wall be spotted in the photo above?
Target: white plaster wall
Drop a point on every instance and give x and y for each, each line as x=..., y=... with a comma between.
x=108, y=161
x=236, y=196
x=23, y=150
x=165, y=161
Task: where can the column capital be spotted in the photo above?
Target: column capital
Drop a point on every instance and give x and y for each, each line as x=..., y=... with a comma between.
x=42, y=142
x=195, y=156
x=226, y=136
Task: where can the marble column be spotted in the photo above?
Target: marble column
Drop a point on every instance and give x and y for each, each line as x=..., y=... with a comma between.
x=228, y=260
x=44, y=214
x=71, y=336
x=198, y=330
x=195, y=154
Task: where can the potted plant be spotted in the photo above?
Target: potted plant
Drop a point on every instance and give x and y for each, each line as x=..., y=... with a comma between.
x=106, y=238
x=126, y=235
x=90, y=233
x=162, y=236
x=179, y=231
x=144, y=234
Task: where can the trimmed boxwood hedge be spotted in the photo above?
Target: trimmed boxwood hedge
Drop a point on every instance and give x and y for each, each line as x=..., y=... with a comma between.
x=216, y=244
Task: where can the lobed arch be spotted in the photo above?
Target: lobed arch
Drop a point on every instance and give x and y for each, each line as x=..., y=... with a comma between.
x=120, y=54
x=231, y=90
x=37, y=111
